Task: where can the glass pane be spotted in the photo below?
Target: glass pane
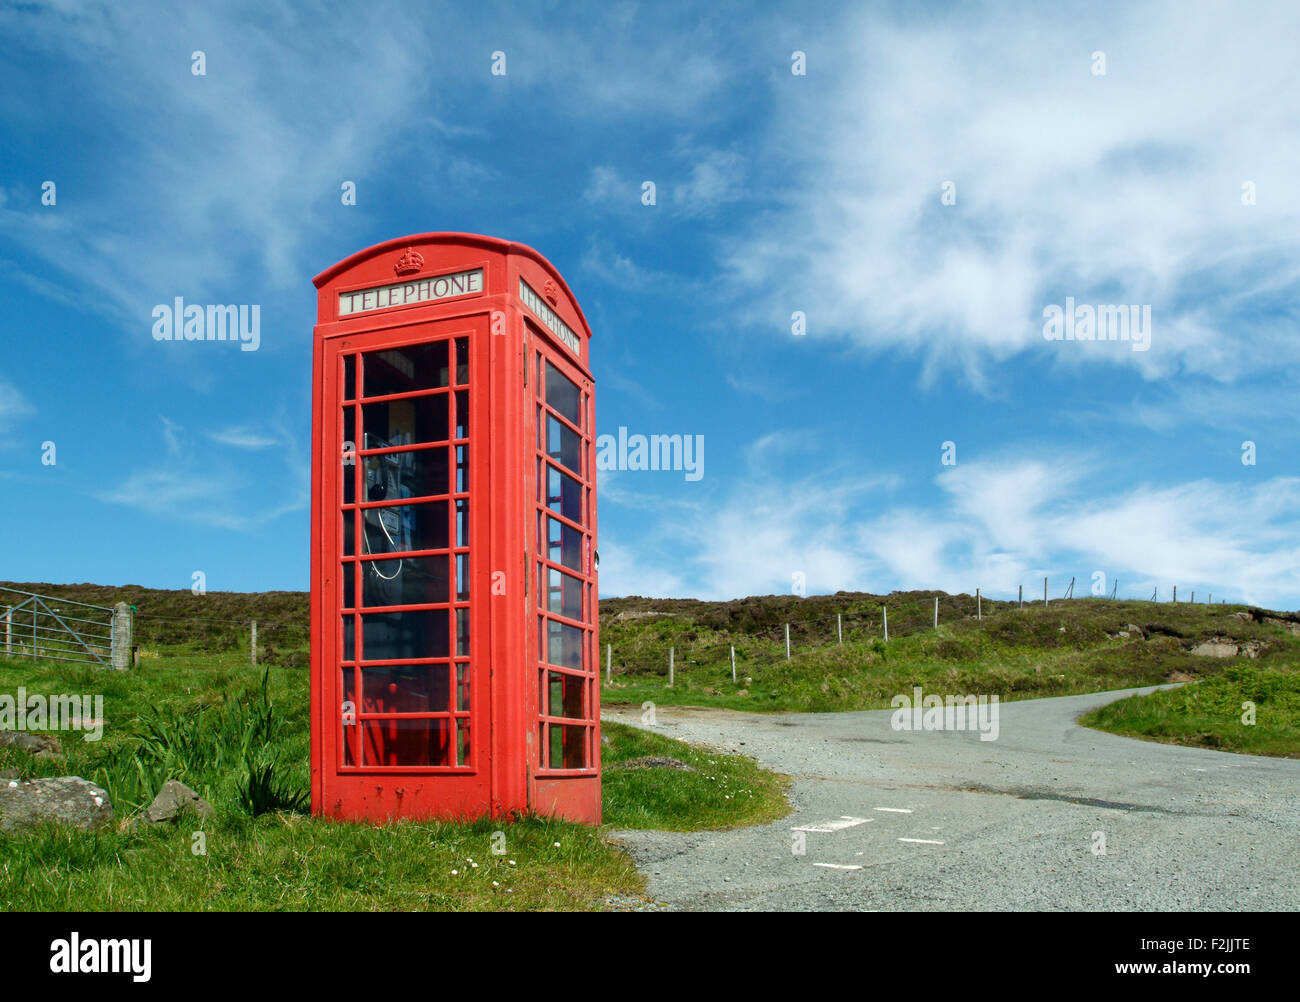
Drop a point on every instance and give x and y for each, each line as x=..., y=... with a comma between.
x=563, y=494
x=462, y=522
x=563, y=695
x=568, y=747
x=395, y=475
x=349, y=638
x=462, y=577
x=348, y=714
x=462, y=361
x=563, y=594
x=401, y=370
x=406, y=689
x=462, y=633
x=405, y=422
x=348, y=577
x=418, y=741
x=564, y=545
x=349, y=377
x=462, y=413
x=462, y=747
x=349, y=532
x=348, y=470
x=392, y=636
x=462, y=687
x=563, y=395
x=405, y=581
x=406, y=527
x=564, y=645
x=462, y=469
x=563, y=444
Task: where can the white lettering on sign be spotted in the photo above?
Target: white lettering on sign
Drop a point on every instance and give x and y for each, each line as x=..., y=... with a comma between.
x=549, y=317
x=424, y=290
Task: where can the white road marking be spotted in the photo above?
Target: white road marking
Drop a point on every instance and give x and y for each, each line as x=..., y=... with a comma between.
x=837, y=866
x=833, y=826
x=894, y=810
x=922, y=841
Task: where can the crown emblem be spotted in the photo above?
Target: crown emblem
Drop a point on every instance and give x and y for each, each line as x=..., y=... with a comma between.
x=551, y=292
x=409, y=263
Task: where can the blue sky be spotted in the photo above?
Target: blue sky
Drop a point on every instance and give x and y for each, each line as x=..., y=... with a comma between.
x=776, y=193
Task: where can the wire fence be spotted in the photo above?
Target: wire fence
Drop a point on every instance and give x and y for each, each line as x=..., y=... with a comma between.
x=774, y=645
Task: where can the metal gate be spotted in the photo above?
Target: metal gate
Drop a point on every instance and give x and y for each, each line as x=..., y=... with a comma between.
x=57, y=629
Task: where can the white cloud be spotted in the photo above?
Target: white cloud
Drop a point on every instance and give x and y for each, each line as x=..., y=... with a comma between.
x=243, y=438
x=1123, y=188
x=996, y=526
x=13, y=405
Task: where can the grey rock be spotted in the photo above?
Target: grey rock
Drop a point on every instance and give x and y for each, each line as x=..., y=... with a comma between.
x=68, y=800
x=174, y=798
x=34, y=743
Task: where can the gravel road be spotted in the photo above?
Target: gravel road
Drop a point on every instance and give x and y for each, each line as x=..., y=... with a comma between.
x=932, y=820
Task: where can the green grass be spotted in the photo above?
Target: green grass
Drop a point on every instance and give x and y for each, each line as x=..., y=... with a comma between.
x=1210, y=713
x=724, y=791
x=240, y=738
x=1067, y=648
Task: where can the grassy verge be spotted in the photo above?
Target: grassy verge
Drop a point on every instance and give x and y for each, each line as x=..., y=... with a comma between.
x=1213, y=713
x=240, y=738
x=722, y=791
x=1068, y=648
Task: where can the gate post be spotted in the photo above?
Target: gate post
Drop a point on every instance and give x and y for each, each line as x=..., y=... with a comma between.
x=121, y=633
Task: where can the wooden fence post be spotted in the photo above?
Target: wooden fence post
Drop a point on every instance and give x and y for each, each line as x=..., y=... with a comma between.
x=671, y=657
x=979, y=607
x=252, y=646
x=1020, y=592
x=1044, y=593
x=9, y=629
x=733, y=662
x=936, y=612
x=787, y=641
x=885, y=610
x=839, y=626
x=609, y=662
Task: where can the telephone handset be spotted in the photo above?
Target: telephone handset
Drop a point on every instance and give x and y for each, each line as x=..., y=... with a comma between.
x=385, y=529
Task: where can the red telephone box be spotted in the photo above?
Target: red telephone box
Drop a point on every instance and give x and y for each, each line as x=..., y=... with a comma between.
x=455, y=655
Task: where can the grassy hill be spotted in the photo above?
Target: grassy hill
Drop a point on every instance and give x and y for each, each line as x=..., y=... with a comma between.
x=1071, y=646
x=980, y=646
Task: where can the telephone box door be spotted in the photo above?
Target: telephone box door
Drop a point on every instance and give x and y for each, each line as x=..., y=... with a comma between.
x=405, y=657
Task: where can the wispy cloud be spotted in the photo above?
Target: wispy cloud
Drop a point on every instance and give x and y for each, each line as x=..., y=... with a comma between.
x=1123, y=188
x=243, y=438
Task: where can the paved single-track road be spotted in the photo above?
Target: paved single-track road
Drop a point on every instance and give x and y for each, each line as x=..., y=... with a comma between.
x=923, y=820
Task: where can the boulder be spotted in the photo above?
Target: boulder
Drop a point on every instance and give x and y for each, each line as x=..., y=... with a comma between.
x=69, y=800
x=45, y=745
x=1217, y=647
x=174, y=798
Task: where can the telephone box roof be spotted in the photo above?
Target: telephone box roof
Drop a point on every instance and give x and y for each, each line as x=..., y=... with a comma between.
x=469, y=239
